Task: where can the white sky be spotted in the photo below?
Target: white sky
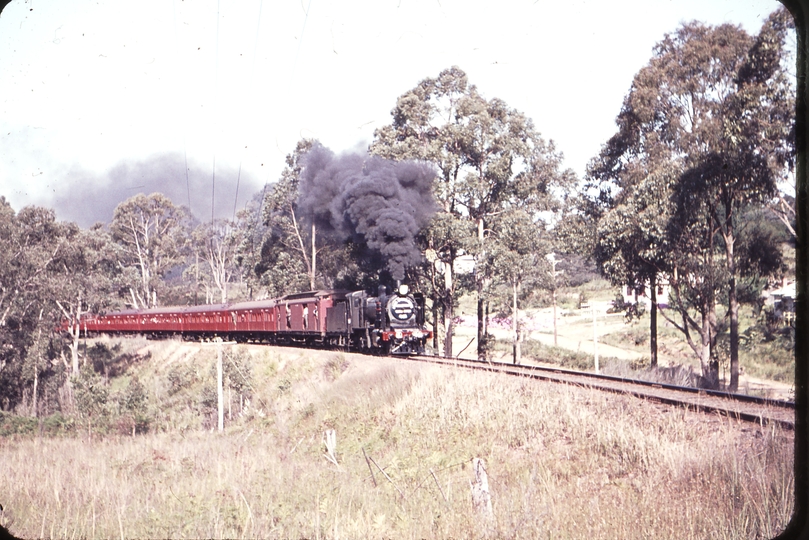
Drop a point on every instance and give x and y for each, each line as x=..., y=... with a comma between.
x=101, y=99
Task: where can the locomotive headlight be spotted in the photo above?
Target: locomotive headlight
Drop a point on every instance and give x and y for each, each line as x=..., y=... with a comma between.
x=398, y=334
x=403, y=290
x=418, y=334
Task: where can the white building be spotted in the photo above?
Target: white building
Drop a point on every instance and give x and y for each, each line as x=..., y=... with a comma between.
x=642, y=294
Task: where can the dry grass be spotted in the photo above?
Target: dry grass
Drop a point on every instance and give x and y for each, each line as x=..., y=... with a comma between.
x=562, y=462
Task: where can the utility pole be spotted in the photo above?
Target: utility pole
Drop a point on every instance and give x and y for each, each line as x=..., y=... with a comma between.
x=552, y=258
x=219, y=394
x=586, y=306
x=595, y=336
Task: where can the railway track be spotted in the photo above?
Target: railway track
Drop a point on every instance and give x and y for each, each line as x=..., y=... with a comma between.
x=762, y=411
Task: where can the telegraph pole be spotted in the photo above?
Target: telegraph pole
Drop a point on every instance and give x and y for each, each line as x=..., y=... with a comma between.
x=552, y=258
x=220, y=394
x=595, y=336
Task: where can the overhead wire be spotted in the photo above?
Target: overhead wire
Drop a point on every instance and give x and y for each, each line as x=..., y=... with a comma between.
x=216, y=95
x=250, y=85
x=185, y=127
x=303, y=30
x=260, y=206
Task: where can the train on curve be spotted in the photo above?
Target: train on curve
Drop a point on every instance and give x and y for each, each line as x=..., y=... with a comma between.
x=385, y=324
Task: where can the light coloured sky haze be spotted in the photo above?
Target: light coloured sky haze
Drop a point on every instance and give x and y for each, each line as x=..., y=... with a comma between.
x=102, y=99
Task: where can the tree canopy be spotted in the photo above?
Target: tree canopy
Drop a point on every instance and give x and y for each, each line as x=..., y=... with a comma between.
x=713, y=108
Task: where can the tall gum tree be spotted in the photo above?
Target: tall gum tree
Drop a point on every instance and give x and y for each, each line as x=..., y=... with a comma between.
x=282, y=215
x=82, y=279
x=30, y=241
x=518, y=257
x=717, y=102
x=481, y=147
x=632, y=246
x=214, y=257
x=152, y=233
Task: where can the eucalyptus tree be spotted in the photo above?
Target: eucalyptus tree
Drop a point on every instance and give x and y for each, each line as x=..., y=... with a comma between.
x=84, y=278
x=281, y=214
x=250, y=235
x=480, y=147
x=31, y=240
x=717, y=103
x=214, y=249
x=51, y=271
x=518, y=257
x=153, y=236
x=26, y=250
x=632, y=246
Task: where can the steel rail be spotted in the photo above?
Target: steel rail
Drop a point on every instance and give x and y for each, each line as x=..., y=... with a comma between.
x=763, y=411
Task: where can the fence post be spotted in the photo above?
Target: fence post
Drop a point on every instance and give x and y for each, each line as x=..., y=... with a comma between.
x=481, y=499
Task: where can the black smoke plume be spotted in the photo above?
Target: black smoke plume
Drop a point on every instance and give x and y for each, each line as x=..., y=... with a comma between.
x=370, y=200
x=86, y=198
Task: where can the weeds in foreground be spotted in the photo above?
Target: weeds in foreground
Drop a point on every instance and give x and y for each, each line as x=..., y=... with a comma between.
x=561, y=461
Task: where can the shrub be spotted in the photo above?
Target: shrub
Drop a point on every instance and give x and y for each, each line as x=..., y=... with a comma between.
x=134, y=398
x=180, y=377
x=237, y=371
x=90, y=394
x=557, y=355
x=57, y=423
x=11, y=424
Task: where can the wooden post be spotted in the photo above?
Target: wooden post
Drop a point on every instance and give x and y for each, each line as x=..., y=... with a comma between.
x=330, y=440
x=220, y=397
x=481, y=499
x=595, y=336
x=555, y=341
x=552, y=259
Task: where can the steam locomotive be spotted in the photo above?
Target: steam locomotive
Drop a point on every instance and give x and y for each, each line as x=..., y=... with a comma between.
x=385, y=324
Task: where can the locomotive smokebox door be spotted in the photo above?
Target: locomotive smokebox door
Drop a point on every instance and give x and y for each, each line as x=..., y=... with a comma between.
x=401, y=309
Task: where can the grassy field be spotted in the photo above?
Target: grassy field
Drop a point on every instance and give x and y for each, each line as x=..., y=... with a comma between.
x=561, y=462
x=766, y=346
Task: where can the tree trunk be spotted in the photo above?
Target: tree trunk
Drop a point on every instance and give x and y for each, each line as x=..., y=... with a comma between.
x=448, y=313
x=705, y=353
x=479, y=281
x=555, y=342
x=36, y=384
x=515, y=325
x=653, y=320
x=435, y=321
x=481, y=327
x=710, y=369
x=486, y=320
x=709, y=323
x=75, y=333
x=449, y=331
x=314, y=258
x=734, y=335
x=733, y=306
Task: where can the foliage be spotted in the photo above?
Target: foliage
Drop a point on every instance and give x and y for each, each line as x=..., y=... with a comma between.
x=557, y=449
x=214, y=265
x=91, y=395
x=710, y=115
x=237, y=371
x=489, y=157
x=180, y=377
x=153, y=236
x=286, y=254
